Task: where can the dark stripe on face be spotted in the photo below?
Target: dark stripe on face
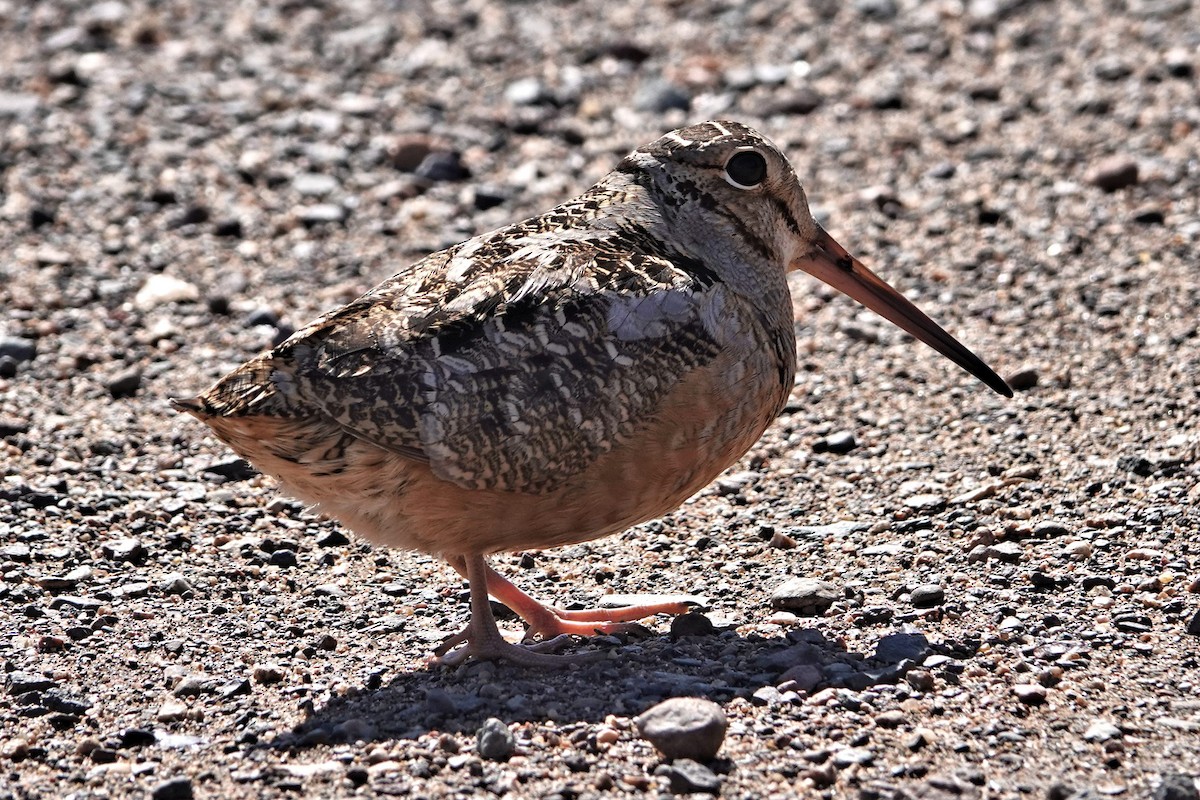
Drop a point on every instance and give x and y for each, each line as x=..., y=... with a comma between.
x=786, y=212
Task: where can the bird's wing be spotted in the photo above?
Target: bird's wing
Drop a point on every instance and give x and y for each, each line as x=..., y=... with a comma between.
x=511, y=372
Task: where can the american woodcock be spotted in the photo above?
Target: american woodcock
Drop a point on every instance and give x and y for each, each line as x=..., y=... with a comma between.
x=559, y=379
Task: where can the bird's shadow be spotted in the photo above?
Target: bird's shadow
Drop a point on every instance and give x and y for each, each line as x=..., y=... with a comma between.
x=635, y=675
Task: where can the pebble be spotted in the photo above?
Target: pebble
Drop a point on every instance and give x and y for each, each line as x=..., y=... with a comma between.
x=849, y=756
x=494, y=741
x=320, y=214
x=173, y=789
x=691, y=777
x=659, y=96
x=691, y=624
x=442, y=166
x=805, y=596
x=925, y=502
x=928, y=595
x=1101, y=731
x=18, y=349
x=160, y=289
x=684, y=727
x=124, y=549
x=126, y=383
x=1009, y=552
x=192, y=685
x=65, y=582
x=839, y=443
x=1193, y=627
x=802, y=677
x=171, y=711
x=897, y=647
x=1113, y=173
x=314, y=184
x=20, y=682
x=890, y=719
x=527, y=92
x=1031, y=694
x=1176, y=786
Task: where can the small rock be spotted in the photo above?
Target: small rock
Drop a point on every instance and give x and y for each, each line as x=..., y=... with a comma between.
x=443, y=166
x=1178, y=62
x=18, y=349
x=1031, y=694
x=173, y=789
x=897, y=647
x=171, y=711
x=1008, y=552
x=527, y=92
x=175, y=584
x=921, y=679
x=684, y=727
x=124, y=549
x=196, y=685
x=849, y=756
x=228, y=227
x=806, y=596
x=691, y=624
x=803, y=677
x=1113, y=173
x=321, y=214
x=61, y=583
x=1100, y=731
x=928, y=595
x=658, y=96
x=890, y=719
x=840, y=443
x=18, y=104
x=283, y=558
x=494, y=741
x=160, y=289
x=1176, y=786
x=735, y=483
x=876, y=9
x=267, y=673
x=925, y=502
x=314, y=184
x=125, y=384
x=688, y=777
x=21, y=682
x=1193, y=627
x=262, y=316
x=333, y=538
x=766, y=696
x=796, y=102
x=136, y=737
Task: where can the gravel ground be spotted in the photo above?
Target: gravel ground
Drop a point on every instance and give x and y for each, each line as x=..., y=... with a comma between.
x=914, y=588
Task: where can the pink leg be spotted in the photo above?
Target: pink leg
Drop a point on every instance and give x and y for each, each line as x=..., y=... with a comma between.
x=549, y=622
x=481, y=638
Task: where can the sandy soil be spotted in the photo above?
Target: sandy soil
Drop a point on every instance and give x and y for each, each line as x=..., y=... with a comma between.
x=1014, y=582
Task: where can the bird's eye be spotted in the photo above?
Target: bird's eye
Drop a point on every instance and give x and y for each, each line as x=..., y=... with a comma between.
x=746, y=169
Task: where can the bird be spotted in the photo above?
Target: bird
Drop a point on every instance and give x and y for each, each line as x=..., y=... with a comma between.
x=559, y=379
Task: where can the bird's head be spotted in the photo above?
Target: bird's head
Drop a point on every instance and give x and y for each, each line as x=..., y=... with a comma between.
x=729, y=196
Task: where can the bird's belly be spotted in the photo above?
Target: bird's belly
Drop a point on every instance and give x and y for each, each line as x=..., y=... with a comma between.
x=702, y=428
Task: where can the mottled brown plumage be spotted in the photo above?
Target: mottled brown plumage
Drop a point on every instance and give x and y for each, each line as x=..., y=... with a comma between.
x=558, y=379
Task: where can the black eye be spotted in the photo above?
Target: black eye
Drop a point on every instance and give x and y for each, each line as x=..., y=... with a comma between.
x=746, y=169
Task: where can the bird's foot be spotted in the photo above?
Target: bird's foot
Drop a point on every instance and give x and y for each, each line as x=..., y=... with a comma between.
x=549, y=622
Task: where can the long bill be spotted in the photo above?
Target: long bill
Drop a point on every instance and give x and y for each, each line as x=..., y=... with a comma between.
x=831, y=263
